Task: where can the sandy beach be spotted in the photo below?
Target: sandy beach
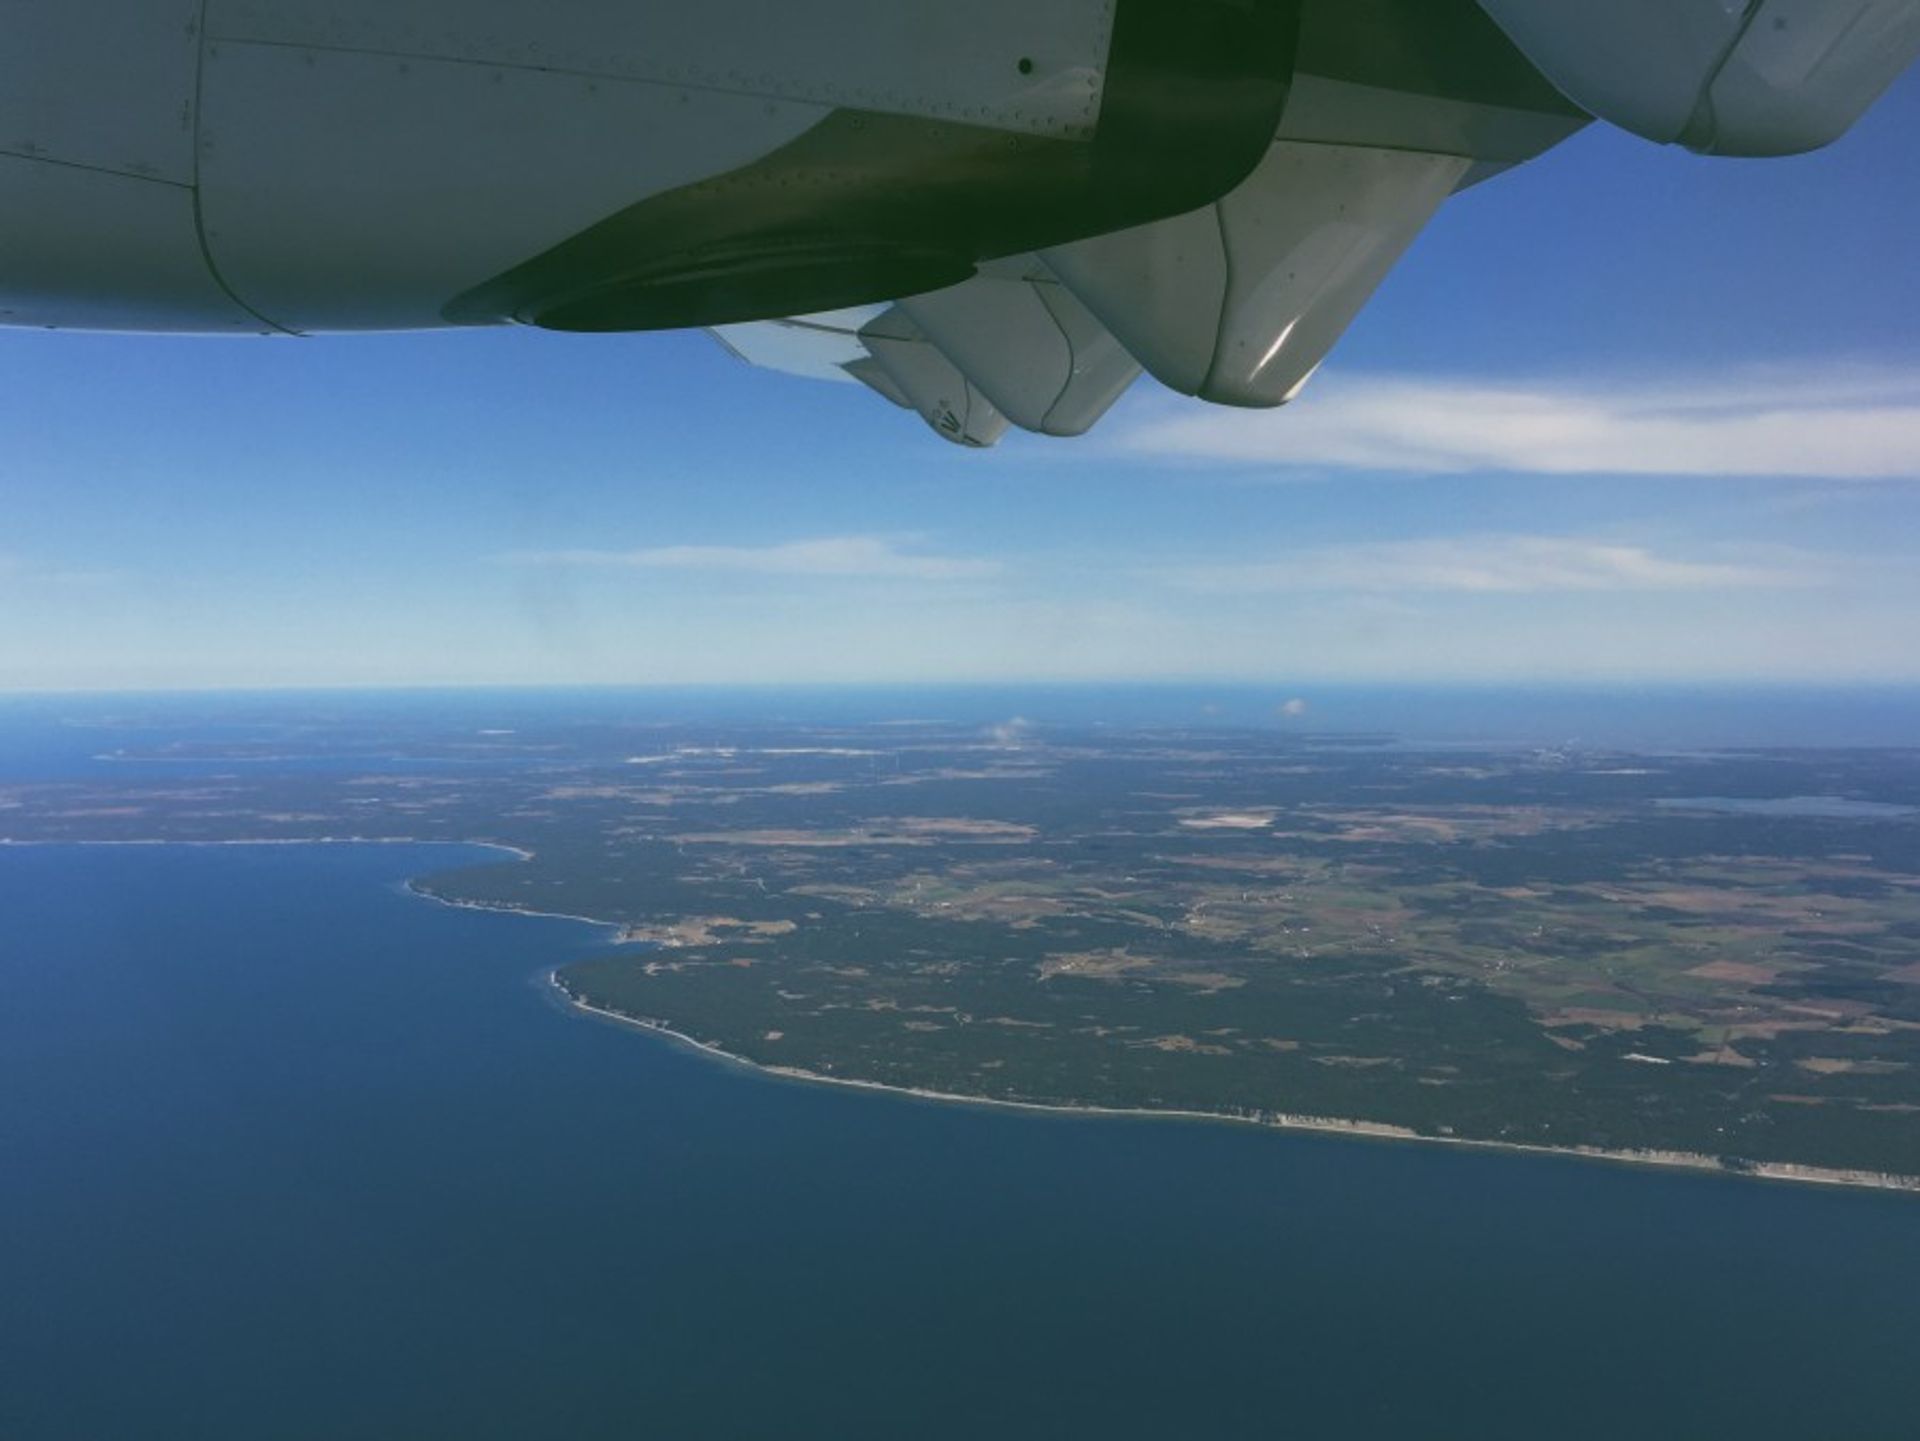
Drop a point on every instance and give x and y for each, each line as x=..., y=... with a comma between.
x=1284, y=1121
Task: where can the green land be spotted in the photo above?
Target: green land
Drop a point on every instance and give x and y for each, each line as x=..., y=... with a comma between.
x=1711, y=954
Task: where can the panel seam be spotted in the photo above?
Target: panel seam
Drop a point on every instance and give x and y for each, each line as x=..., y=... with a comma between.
x=114, y=171
x=199, y=214
x=1077, y=132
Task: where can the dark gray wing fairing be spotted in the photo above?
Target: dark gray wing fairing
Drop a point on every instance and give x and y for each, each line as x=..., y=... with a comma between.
x=867, y=206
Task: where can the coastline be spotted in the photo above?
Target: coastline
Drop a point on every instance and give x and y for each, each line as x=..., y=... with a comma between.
x=414, y=888
x=517, y=852
x=1692, y=1161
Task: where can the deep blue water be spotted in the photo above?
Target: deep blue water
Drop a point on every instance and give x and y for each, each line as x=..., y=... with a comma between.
x=285, y=1152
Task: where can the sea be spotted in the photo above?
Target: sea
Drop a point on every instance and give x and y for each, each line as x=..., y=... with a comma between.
x=289, y=1152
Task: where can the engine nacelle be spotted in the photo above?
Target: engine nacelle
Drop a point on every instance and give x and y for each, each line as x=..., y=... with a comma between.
x=1722, y=77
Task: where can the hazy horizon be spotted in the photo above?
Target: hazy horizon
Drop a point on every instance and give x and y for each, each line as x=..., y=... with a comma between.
x=1576, y=715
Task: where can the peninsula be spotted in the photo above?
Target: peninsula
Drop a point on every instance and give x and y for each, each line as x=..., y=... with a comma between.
x=1689, y=958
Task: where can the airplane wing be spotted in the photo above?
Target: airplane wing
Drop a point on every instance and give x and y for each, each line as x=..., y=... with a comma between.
x=996, y=213
x=1009, y=345
x=1391, y=109
x=1237, y=301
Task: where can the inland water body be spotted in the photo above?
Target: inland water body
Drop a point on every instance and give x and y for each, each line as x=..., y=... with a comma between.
x=286, y=1152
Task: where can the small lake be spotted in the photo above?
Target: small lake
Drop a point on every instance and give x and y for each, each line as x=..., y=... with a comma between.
x=1822, y=808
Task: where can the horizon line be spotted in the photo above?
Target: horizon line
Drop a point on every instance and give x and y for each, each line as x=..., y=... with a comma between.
x=1161, y=683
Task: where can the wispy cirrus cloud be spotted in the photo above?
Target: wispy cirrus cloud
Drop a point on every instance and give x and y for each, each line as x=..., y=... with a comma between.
x=1828, y=422
x=19, y=570
x=847, y=556
x=1498, y=564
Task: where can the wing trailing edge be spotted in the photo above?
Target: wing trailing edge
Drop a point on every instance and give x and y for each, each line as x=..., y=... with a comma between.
x=1237, y=303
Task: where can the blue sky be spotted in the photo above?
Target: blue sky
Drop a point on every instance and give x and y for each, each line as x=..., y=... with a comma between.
x=1624, y=413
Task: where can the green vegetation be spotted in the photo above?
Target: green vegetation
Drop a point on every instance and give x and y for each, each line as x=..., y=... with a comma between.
x=1560, y=949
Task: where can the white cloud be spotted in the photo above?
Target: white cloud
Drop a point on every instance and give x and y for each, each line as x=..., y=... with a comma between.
x=867, y=556
x=1010, y=733
x=1497, y=564
x=1829, y=421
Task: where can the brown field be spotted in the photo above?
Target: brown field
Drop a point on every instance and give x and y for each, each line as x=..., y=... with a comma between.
x=1098, y=965
x=1592, y=1016
x=707, y=931
x=1441, y=824
x=1228, y=821
x=955, y=826
x=1745, y=971
x=1840, y=1066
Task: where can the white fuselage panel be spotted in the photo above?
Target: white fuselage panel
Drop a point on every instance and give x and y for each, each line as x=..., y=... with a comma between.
x=345, y=191
x=108, y=84
x=357, y=164
x=944, y=61
x=105, y=252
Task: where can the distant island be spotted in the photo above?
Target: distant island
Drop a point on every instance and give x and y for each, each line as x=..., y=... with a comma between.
x=1705, y=959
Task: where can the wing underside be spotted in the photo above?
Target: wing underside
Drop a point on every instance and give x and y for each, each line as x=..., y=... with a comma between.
x=1390, y=107
x=1235, y=302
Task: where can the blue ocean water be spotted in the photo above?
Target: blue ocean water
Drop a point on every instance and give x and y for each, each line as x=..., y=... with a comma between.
x=286, y=1152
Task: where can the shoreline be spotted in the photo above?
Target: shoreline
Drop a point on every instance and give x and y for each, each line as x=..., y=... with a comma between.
x=517, y=852
x=1690, y=1161
x=413, y=888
